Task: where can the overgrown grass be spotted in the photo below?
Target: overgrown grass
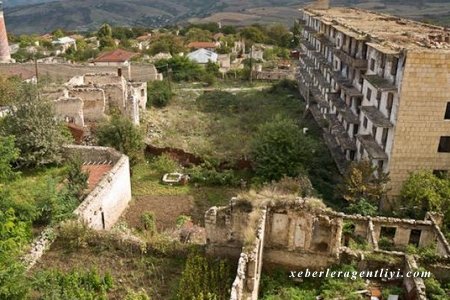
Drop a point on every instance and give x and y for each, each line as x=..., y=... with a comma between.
x=220, y=125
x=147, y=182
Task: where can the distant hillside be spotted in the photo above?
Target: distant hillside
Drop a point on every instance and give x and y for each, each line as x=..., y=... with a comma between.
x=89, y=14
x=11, y=3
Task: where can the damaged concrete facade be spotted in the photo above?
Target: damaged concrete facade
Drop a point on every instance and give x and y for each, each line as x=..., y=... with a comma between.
x=303, y=234
x=91, y=97
x=379, y=86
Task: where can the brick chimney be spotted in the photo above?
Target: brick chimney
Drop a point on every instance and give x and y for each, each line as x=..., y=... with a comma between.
x=322, y=4
x=5, y=56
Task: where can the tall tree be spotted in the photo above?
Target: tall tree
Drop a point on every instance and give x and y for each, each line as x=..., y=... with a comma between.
x=279, y=148
x=364, y=181
x=121, y=134
x=38, y=135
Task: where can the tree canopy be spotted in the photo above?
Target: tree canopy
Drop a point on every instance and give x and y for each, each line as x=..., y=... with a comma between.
x=423, y=191
x=38, y=135
x=121, y=134
x=280, y=148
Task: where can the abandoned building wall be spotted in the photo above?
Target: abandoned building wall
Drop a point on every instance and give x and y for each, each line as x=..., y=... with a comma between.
x=94, y=102
x=100, y=199
x=139, y=90
x=70, y=110
x=400, y=231
x=246, y=284
x=423, y=96
x=225, y=228
x=116, y=96
x=103, y=78
x=108, y=200
x=311, y=240
x=415, y=287
x=133, y=109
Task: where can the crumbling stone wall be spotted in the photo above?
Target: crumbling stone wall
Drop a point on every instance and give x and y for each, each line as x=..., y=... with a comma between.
x=70, y=110
x=246, y=283
x=103, y=94
x=102, y=207
x=105, y=204
x=94, y=107
x=303, y=234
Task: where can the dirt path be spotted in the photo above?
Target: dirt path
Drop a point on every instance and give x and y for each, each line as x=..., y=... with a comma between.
x=231, y=90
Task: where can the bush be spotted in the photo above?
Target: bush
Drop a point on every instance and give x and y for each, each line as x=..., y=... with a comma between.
x=74, y=234
x=204, y=279
x=149, y=222
x=55, y=284
x=164, y=164
x=121, y=134
x=159, y=93
x=279, y=148
x=423, y=191
x=362, y=207
x=141, y=295
x=434, y=289
x=182, y=219
x=8, y=154
x=183, y=69
x=77, y=178
x=210, y=176
x=385, y=244
x=300, y=186
x=395, y=290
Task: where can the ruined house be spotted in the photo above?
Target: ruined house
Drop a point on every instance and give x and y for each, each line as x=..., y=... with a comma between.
x=379, y=86
x=91, y=97
x=298, y=233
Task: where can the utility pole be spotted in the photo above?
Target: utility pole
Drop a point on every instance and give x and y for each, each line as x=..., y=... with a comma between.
x=251, y=64
x=36, y=70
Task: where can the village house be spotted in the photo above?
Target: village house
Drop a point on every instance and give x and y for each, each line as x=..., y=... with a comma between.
x=118, y=58
x=143, y=41
x=379, y=85
x=64, y=43
x=203, y=56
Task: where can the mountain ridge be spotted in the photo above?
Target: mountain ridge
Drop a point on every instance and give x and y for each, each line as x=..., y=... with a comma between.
x=83, y=15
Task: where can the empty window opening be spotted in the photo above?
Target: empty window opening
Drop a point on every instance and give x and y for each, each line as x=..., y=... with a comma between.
x=378, y=97
x=365, y=123
x=372, y=64
x=388, y=232
x=414, y=238
x=384, y=137
x=369, y=94
x=441, y=173
x=389, y=104
x=447, y=112
x=103, y=221
x=444, y=144
x=394, y=66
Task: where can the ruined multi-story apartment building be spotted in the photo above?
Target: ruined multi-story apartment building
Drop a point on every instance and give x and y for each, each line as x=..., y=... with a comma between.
x=380, y=87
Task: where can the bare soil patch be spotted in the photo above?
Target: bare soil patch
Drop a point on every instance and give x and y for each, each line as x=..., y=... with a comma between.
x=165, y=208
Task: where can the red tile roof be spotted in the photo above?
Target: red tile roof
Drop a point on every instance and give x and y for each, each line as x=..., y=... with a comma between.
x=118, y=55
x=198, y=45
